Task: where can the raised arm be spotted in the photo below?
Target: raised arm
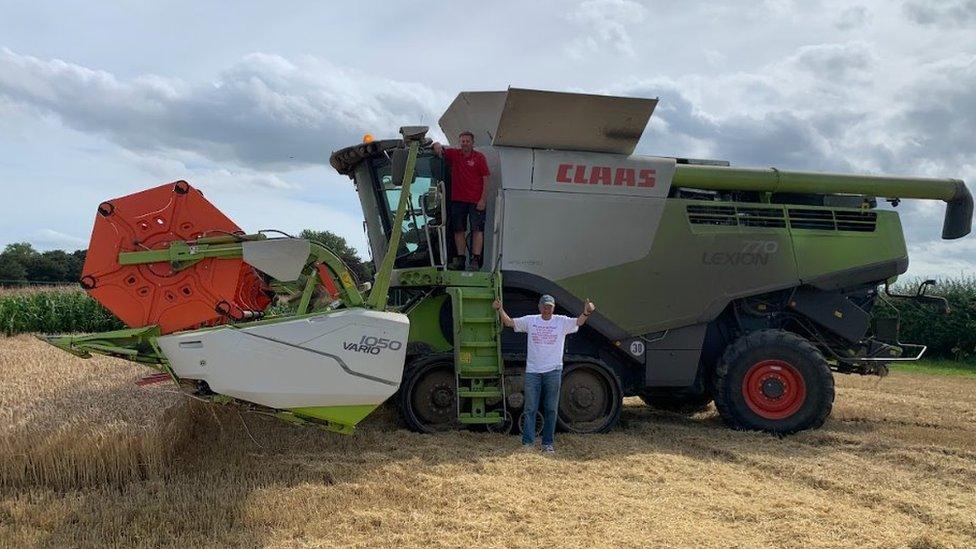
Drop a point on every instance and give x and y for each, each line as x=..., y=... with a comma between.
x=438, y=149
x=506, y=320
x=588, y=308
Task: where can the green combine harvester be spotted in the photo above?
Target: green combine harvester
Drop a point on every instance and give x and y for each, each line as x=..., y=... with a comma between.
x=746, y=287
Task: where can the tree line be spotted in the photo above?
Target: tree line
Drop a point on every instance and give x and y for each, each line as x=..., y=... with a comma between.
x=21, y=264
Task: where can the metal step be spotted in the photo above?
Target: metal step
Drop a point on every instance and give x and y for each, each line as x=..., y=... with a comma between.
x=479, y=371
x=479, y=293
x=478, y=344
x=494, y=392
x=488, y=419
x=481, y=319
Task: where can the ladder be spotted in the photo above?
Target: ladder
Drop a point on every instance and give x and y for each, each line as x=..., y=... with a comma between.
x=478, y=364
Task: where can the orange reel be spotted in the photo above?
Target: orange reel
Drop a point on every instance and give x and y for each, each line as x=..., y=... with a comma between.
x=208, y=292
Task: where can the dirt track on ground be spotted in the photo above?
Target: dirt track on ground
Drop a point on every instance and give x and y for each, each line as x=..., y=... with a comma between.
x=894, y=466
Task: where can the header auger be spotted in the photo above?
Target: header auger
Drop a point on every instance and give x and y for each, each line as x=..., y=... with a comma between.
x=749, y=287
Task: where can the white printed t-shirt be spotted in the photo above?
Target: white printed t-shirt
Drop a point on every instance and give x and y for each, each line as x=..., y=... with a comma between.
x=547, y=341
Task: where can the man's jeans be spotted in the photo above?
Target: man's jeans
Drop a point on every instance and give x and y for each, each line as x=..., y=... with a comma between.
x=545, y=386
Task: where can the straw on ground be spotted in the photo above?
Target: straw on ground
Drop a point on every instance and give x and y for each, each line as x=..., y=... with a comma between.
x=895, y=466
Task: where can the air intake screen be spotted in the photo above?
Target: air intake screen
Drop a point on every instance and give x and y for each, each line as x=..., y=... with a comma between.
x=734, y=216
x=833, y=220
x=799, y=218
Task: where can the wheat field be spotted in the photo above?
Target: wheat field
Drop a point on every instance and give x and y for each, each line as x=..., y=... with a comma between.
x=894, y=466
x=67, y=422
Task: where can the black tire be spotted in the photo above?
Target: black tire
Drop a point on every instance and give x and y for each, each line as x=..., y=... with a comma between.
x=590, y=400
x=677, y=403
x=503, y=428
x=427, y=399
x=773, y=381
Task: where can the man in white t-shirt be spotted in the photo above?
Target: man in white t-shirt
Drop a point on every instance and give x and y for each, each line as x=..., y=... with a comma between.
x=543, y=363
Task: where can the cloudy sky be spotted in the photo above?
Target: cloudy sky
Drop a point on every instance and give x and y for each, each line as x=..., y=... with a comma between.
x=247, y=100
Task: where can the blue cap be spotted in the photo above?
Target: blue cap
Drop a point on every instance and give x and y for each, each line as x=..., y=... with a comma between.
x=547, y=300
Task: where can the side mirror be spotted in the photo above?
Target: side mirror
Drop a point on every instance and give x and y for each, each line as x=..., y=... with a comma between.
x=398, y=165
x=430, y=204
x=399, y=160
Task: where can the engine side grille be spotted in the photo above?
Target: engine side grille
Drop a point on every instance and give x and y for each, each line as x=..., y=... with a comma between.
x=799, y=218
x=856, y=221
x=711, y=215
x=735, y=216
x=812, y=219
x=833, y=220
x=760, y=217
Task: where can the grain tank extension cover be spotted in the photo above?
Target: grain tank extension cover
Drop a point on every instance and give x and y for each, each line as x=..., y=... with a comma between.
x=476, y=112
x=550, y=120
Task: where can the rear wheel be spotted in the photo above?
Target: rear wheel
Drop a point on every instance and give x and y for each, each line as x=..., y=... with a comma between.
x=774, y=381
x=428, y=395
x=590, y=399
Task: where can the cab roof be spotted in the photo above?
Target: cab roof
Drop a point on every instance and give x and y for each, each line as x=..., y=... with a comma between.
x=345, y=160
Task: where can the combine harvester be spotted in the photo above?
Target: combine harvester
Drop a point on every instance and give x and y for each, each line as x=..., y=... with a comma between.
x=749, y=287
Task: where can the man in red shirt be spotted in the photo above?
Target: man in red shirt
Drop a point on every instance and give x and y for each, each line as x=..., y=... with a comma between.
x=469, y=188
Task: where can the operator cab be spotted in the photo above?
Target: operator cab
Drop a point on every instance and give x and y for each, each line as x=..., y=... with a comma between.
x=425, y=236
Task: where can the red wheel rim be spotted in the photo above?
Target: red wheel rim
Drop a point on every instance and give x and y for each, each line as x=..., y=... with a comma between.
x=774, y=389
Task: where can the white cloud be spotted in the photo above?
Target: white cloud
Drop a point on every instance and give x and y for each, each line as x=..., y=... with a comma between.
x=291, y=214
x=49, y=239
x=193, y=168
x=265, y=111
x=933, y=258
x=714, y=57
x=951, y=13
x=603, y=25
x=779, y=8
x=826, y=107
x=834, y=62
x=852, y=18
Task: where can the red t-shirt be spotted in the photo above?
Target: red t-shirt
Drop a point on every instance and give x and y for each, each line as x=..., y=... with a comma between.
x=467, y=173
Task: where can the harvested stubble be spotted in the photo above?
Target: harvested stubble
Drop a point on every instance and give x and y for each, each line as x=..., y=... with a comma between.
x=67, y=422
x=895, y=466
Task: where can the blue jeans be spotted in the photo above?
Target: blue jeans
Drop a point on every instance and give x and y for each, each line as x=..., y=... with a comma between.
x=545, y=386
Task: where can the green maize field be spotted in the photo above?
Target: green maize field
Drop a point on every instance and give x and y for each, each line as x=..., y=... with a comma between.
x=60, y=310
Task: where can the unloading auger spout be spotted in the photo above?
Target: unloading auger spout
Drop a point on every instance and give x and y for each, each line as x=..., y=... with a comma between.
x=959, y=202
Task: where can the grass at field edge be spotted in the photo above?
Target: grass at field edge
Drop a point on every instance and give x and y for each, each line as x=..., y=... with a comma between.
x=936, y=367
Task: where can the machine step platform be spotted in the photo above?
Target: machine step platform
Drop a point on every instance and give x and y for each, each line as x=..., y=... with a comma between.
x=478, y=364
